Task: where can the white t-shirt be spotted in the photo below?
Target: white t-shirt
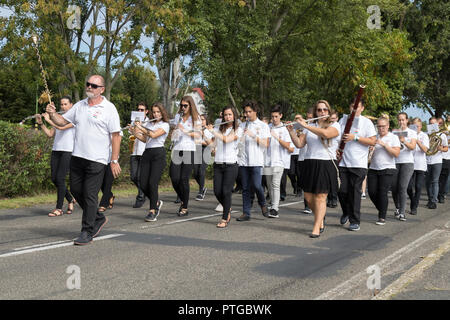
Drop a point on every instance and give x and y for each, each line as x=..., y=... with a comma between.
x=139, y=146
x=437, y=158
x=355, y=153
x=420, y=157
x=302, y=152
x=64, y=140
x=158, y=142
x=182, y=140
x=277, y=155
x=227, y=152
x=252, y=154
x=322, y=151
x=446, y=155
x=93, y=128
x=407, y=155
x=381, y=158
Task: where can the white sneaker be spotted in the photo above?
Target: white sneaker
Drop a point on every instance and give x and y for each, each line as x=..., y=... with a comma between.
x=219, y=208
x=363, y=196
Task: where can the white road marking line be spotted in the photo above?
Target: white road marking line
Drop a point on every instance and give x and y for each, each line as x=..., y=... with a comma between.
x=43, y=247
x=385, y=264
x=290, y=203
x=412, y=274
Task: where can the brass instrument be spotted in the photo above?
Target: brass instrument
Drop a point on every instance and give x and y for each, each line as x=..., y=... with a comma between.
x=435, y=139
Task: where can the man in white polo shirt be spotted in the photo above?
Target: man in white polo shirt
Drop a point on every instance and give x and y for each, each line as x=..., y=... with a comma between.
x=97, y=130
x=251, y=159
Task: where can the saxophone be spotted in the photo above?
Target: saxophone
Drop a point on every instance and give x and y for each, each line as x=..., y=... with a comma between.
x=435, y=139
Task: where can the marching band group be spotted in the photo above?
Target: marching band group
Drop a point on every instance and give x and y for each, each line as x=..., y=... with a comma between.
x=87, y=143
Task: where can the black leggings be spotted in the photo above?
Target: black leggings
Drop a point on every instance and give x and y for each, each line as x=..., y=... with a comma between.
x=152, y=165
x=378, y=183
x=60, y=165
x=224, y=177
x=180, y=172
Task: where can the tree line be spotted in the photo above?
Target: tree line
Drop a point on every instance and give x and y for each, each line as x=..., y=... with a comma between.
x=283, y=52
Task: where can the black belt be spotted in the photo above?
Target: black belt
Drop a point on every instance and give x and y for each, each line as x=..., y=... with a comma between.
x=226, y=163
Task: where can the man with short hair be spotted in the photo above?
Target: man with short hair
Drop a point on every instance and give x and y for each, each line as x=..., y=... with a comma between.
x=277, y=158
x=251, y=160
x=97, y=126
x=353, y=165
x=135, y=159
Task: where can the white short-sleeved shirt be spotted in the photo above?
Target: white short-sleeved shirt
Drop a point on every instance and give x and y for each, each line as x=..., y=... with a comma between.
x=420, y=157
x=302, y=152
x=406, y=155
x=227, y=152
x=322, y=151
x=437, y=158
x=207, y=135
x=296, y=151
x=182, y=141
x=276, y=154
x=446, y=155
x=381, y=158
x=252, y=154
x=64, y=140
x=355, y=153
x=139, y=146
x=93, y=128
x=158, y=142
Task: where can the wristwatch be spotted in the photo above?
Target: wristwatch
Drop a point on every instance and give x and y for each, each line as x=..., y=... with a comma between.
x=356, y=137
x=115, y=161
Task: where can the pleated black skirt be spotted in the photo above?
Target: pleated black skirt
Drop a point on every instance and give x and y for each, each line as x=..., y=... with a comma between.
x=318, y=176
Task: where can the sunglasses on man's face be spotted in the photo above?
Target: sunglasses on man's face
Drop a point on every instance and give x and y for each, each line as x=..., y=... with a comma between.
x=141, y=110
x=92, y=85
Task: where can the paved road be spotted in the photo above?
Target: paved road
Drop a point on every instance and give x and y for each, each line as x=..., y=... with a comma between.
x=189, y=258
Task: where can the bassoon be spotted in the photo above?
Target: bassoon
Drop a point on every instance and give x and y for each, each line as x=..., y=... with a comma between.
x=348, y=125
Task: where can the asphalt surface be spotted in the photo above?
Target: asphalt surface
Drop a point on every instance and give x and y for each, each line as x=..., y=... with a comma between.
x=189, y=258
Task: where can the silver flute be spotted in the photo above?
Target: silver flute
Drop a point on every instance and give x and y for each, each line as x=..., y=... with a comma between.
x=307, y=121
x=34, y=116
x=143, y=122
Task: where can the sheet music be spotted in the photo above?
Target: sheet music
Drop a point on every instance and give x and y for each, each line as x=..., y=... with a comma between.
x=139, y=114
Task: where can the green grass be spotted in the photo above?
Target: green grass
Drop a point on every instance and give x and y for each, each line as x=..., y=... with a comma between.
x=120, y=191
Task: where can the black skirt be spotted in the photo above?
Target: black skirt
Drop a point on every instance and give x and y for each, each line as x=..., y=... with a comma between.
x=319, y=176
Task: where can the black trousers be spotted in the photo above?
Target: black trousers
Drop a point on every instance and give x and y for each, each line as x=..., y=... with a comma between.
x=200, y=169
x=292, y=172
x=86, y=178
x=60, y=165
x=415, y=188
x=350, y=192
x=135, y=173
x=378, y=183
x=443, y=177
x=153, y=163
x=180, y=174
x=106, y=188
x=224, y=177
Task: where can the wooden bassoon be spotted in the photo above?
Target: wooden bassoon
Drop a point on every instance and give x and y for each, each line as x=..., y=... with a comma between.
x=348, y=125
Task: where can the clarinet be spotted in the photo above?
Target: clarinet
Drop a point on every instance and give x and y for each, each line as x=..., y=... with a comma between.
x=348, y=125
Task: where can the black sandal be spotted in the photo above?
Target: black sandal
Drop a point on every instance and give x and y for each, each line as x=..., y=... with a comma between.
x=111, y=202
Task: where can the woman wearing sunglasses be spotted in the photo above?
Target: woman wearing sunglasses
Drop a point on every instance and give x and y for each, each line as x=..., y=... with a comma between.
x=185, y=137
x=319, y=172
x=382, y=168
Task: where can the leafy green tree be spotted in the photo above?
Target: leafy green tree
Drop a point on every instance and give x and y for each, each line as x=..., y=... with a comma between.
x=428, y=26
